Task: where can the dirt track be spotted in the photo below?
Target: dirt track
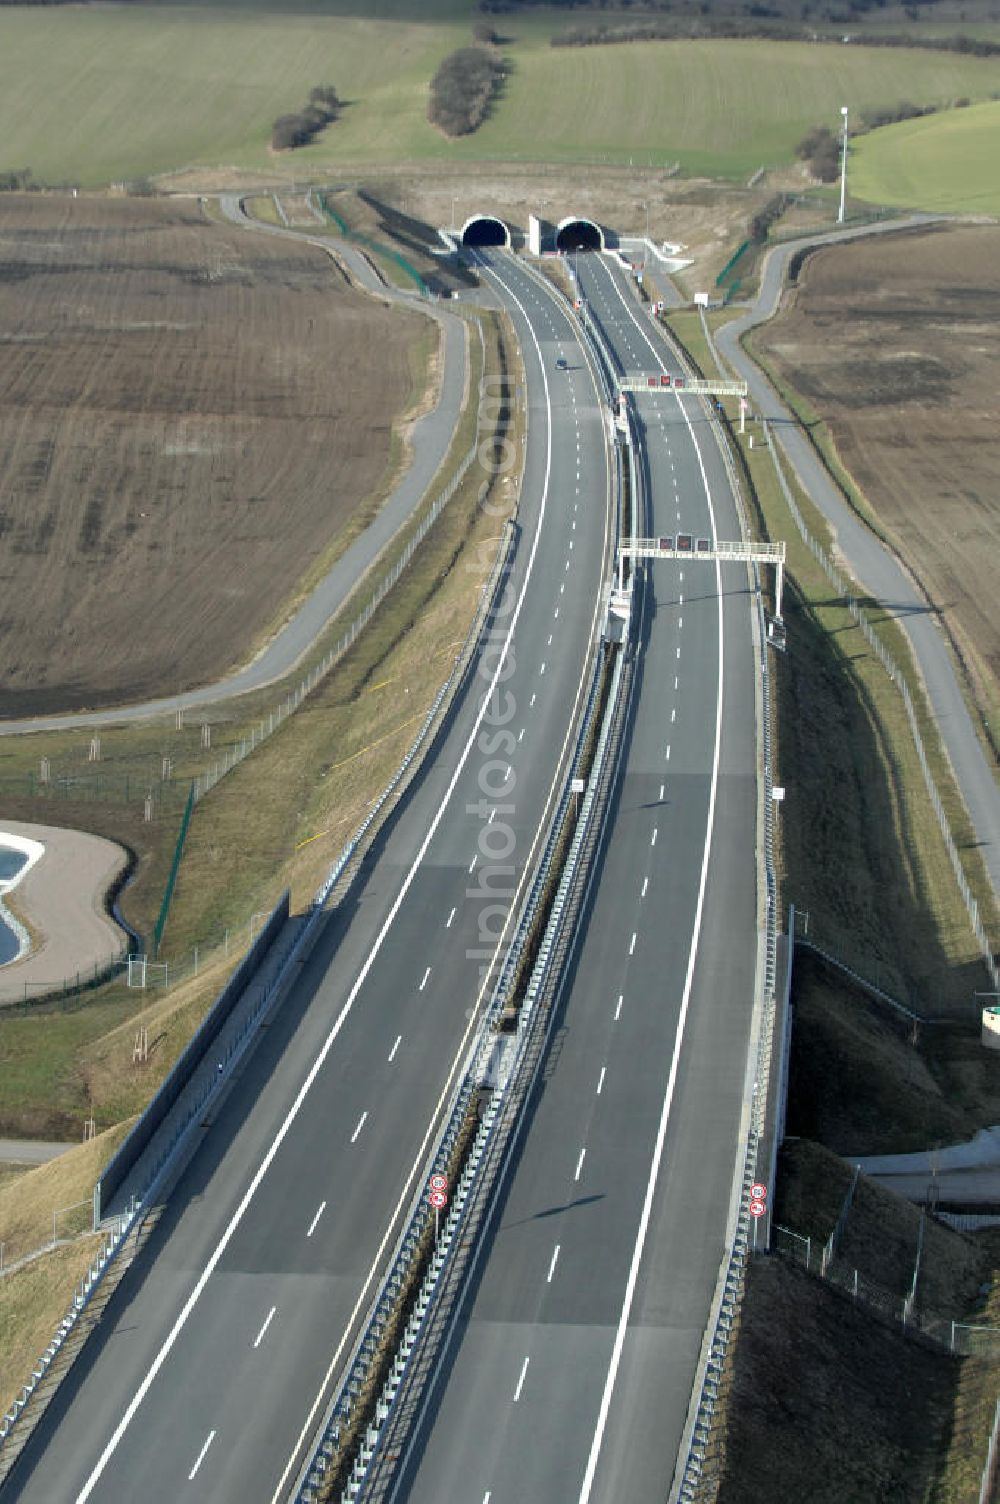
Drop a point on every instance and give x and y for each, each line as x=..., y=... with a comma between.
x=188, y=417
x=896, y=343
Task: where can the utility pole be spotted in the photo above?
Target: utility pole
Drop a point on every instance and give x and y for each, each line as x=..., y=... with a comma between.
x=843, y=167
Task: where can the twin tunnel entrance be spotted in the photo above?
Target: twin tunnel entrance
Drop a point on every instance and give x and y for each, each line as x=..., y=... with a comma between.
x=573, y=234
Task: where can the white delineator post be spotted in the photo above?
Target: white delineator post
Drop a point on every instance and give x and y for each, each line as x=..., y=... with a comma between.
x=843, y=167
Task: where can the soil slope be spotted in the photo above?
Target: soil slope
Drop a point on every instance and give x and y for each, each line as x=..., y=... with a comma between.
x=895, y=342
x=189, y=415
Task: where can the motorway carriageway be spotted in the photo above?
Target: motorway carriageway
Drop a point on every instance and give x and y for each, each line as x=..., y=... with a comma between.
x=570, y=1366
x=214, y=1360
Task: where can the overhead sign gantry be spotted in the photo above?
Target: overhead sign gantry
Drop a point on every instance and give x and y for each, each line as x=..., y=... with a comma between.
x=661, y=381
x=687, y=546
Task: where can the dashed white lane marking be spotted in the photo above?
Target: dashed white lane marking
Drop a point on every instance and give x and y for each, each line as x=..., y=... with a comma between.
x=668, y=752
x=567, y=563
x=673, y=715
x=645, y=887
x=520, y=1382
x=552, y=1266
x=312, y=1225
x=361, y=1124
x=631, y=949
x=520, y=733
x=549, y=643
x=678, y=650
x=541, y=670
x=555, y=614
x=675, y=681
x=532, y=701
x=473, y=862
x=427, y=973
x=579, y=1164
x=662, y=787
x=653, y=840
x=392, y=1052
x=449, y=919
x=562, y=588
x=680, y=601
x=618, y=1009
x=680, y=622
x=201, y=1456
x=267, y=1322
x=600, y=1079
x=682, y=576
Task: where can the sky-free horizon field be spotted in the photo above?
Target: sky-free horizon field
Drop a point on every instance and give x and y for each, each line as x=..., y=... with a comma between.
x=138, y=89
x=946, y=163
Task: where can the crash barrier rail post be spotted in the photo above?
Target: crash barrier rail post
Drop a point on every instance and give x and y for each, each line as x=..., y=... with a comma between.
x=341, y=874
x=761, y=1104
x=481, y=1066
x=407, y=1255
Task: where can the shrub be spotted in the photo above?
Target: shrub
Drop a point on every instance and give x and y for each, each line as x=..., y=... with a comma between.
x=289, y=131
x=462, y=88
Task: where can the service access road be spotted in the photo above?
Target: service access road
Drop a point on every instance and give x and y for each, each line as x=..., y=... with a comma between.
x=214, y=1359
x=869, y=560
x=570, y=1367
x=429, y=440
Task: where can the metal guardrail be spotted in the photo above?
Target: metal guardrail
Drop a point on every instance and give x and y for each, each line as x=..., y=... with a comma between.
x=238, y=1046
x=515, y=1051
x=482, y=1065
x=729, y=1291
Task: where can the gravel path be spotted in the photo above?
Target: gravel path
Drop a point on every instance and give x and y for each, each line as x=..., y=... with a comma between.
x=429, y=440
x=62, y=898
x=872, y=564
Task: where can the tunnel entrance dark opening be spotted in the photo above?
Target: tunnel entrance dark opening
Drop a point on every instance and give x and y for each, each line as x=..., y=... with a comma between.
x=484, y=231
x=579, y=235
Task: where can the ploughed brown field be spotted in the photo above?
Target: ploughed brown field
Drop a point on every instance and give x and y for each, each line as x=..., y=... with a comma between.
x=895, y=342
x=189, y=416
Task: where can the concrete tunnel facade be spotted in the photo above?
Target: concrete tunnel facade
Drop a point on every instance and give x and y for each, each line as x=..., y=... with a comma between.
x=485, y=230
x=576, y=233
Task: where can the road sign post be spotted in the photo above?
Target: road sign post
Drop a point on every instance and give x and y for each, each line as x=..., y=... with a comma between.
x=438, y=1198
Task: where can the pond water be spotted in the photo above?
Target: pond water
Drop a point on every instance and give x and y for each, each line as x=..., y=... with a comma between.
x=11, y=863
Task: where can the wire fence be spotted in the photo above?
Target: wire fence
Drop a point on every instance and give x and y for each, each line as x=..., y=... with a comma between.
x=19, y=1246
x=964, y=1338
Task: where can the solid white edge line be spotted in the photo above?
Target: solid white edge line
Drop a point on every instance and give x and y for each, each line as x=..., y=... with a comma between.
x=335, y=1360
x=661, y=1135
x=111, y=1446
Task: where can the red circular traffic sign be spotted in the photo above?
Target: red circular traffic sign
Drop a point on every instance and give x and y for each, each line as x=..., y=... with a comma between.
x=757, y=1208
x=758, y=1192
x=438, y=1199
x=438, y=1183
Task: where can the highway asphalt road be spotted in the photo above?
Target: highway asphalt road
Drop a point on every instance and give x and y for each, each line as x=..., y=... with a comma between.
x=214, y=1357
x=873, y=564
x=571, y=1363
x=430, y=438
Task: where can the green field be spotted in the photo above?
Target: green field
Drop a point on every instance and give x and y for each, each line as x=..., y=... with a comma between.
x=944, y=162
x=94, y=94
